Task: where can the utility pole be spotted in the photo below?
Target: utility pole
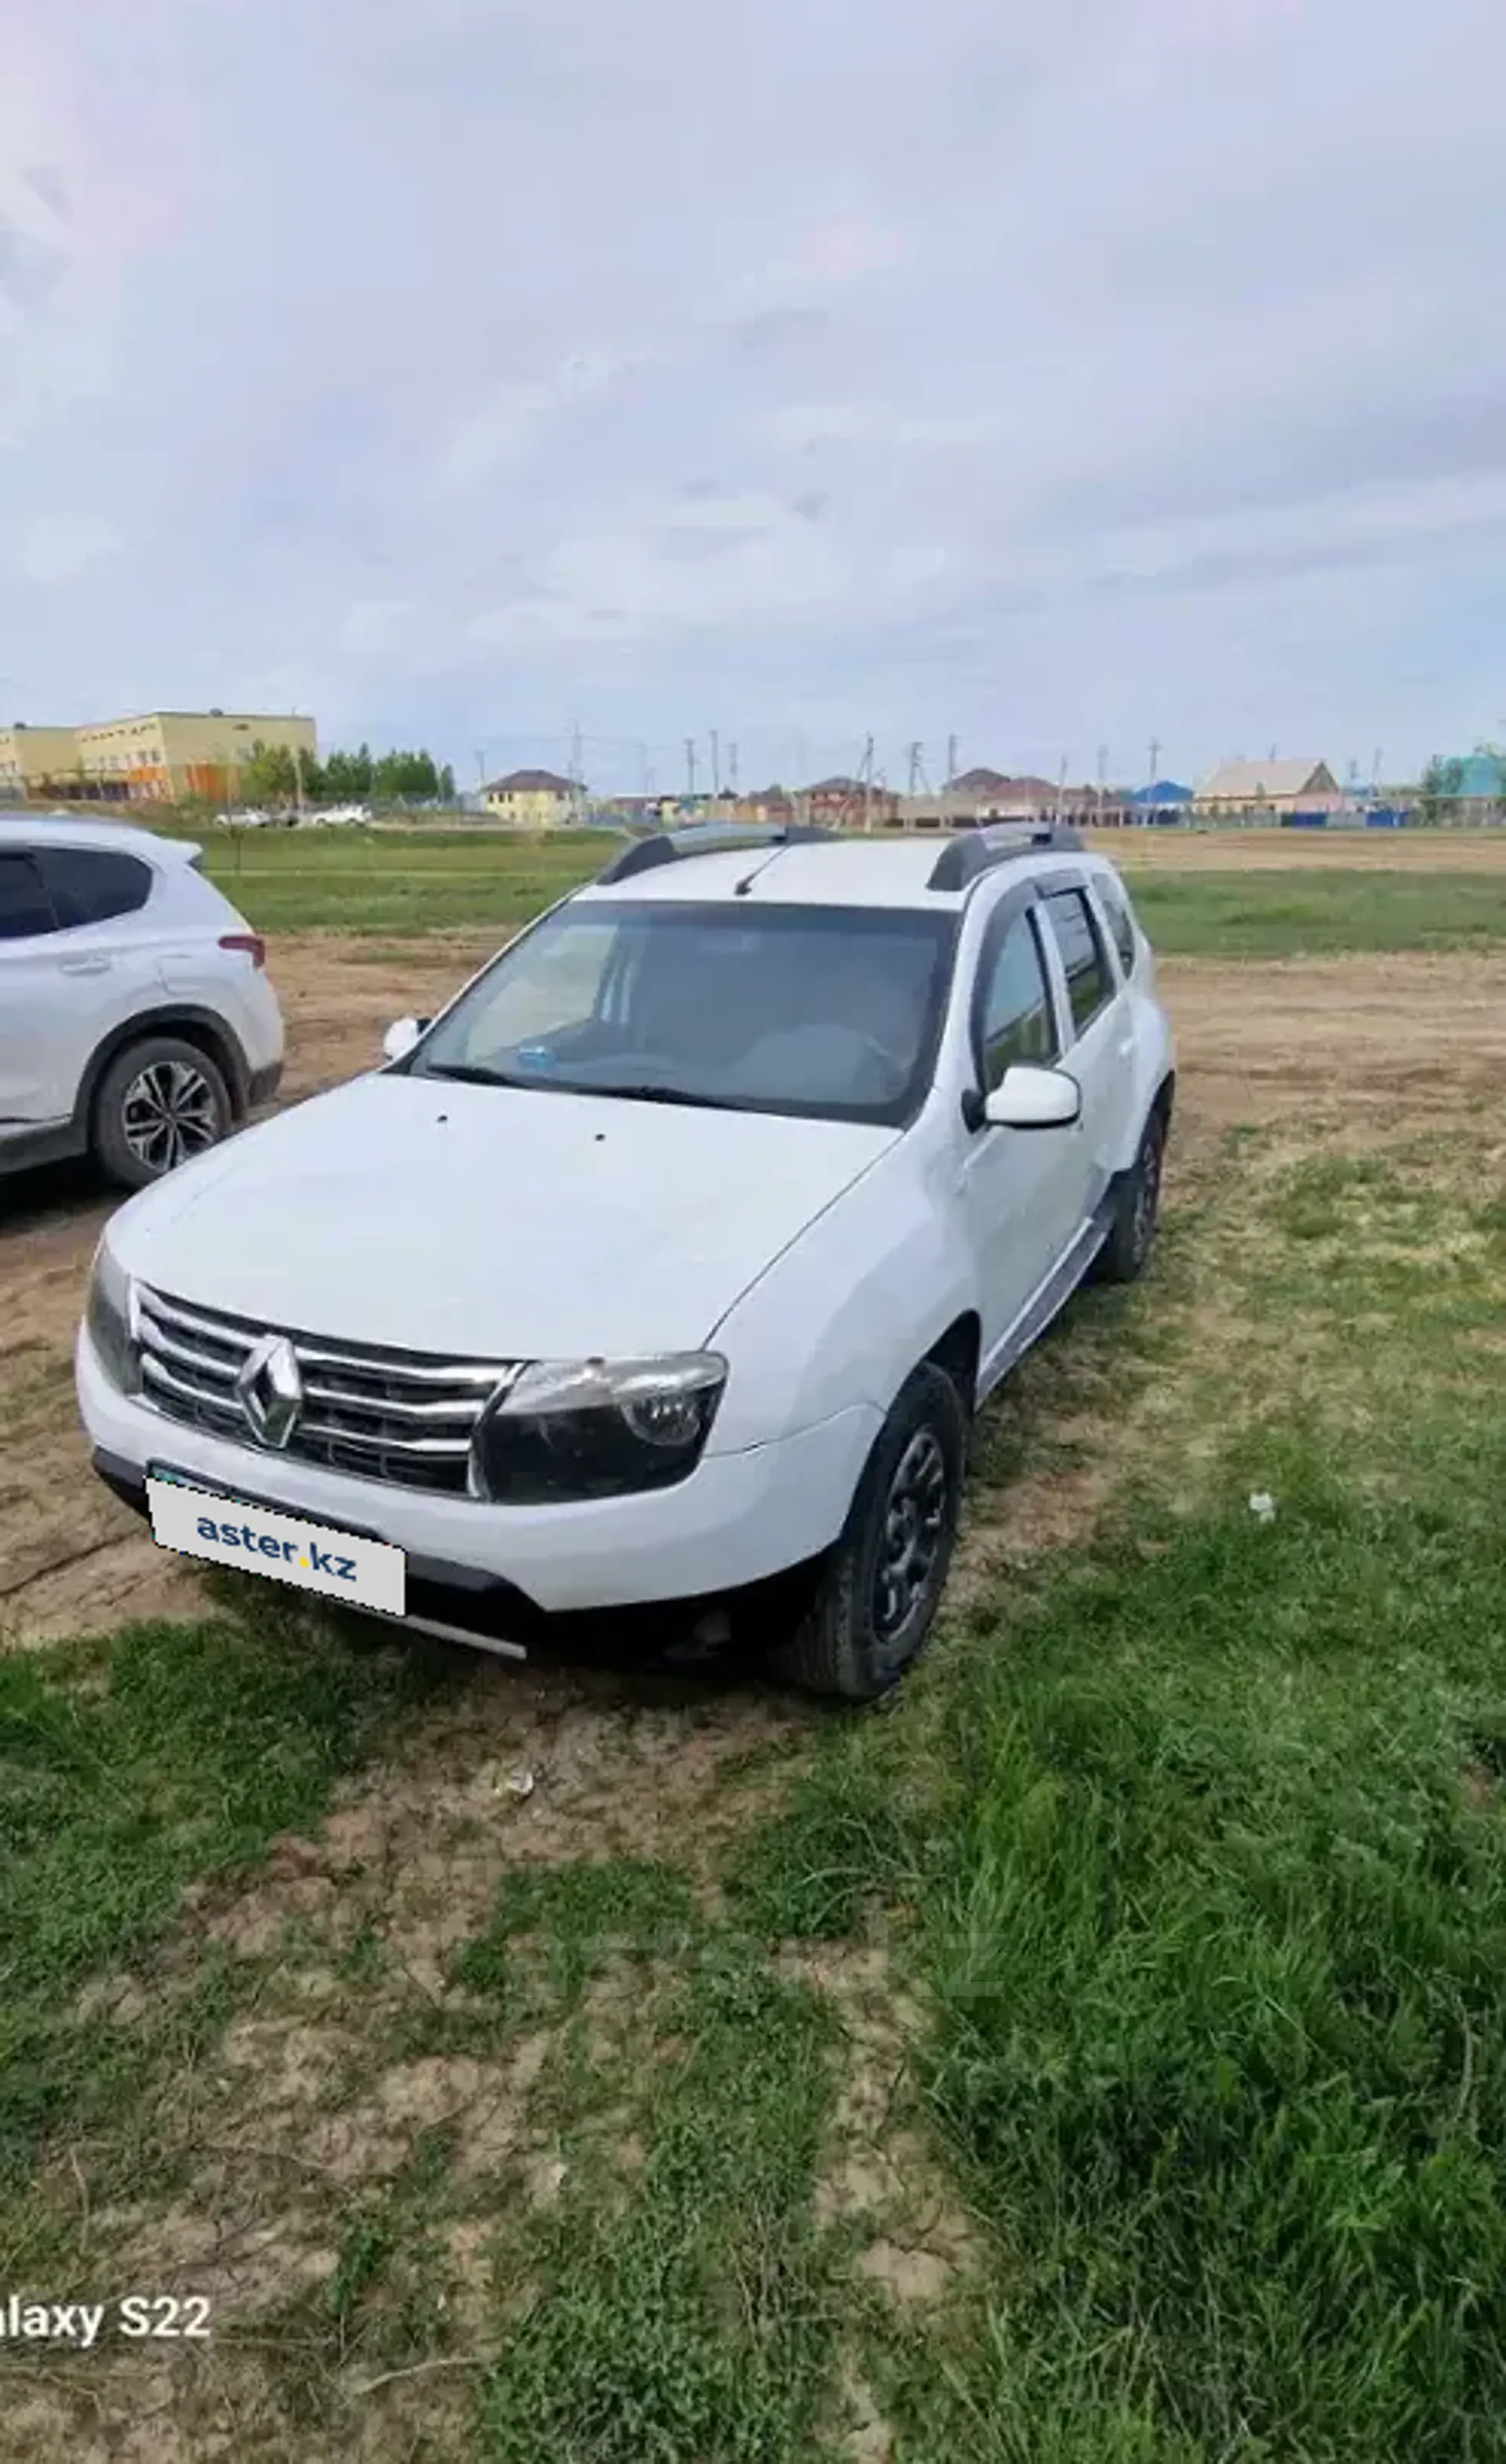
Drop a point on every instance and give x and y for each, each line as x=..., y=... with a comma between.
x=298, y=777
x=732, y=772
x=913, y=783
x=951, y=759
x=715, y=773
x=1061, y=787
x=867, y=782
x=690, y=769
x=1155, y=756
x=1103, y=776
x=577, y=776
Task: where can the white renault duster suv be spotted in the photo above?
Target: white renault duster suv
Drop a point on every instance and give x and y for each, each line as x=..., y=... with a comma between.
x=669, y=1264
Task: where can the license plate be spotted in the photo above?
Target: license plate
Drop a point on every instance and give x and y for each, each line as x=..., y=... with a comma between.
x=287, y=1548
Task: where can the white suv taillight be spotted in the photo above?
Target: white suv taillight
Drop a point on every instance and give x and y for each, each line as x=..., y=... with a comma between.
x=252, y=943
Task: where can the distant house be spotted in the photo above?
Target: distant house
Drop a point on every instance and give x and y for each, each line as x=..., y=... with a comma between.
x=839, y=801
x=532, y=799
x=1247, y=788
x=994, y=796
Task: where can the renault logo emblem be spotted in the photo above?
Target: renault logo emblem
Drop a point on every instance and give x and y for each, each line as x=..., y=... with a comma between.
x=270, y=1391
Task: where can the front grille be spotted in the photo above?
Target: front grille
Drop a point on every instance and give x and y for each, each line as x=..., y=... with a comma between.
x=377, y=1414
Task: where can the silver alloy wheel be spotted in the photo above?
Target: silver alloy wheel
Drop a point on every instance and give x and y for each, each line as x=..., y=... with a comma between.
x=911, y=1535
x=169, y=1113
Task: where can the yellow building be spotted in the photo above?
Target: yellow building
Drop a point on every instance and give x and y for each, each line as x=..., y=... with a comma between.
x=532, y=799
x=38, y=761
x=167, y=754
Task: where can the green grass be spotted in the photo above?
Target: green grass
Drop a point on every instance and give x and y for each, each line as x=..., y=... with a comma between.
x=399, y=883
x=1204, y=1866
x=1311, y=914
x=176, y=1753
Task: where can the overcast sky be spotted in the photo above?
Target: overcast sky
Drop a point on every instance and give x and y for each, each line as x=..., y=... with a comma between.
x=465, y=370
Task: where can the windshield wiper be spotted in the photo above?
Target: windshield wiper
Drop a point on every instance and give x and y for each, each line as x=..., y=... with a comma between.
x=645, y=1092
x=469, y=1076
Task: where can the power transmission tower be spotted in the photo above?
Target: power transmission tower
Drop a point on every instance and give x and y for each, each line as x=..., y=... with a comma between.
x=917, y=769
x=951, y=759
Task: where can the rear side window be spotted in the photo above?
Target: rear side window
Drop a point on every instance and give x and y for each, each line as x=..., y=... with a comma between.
x=1089, y=982
x=1114, y=899
x=89, y=885
x=25, y=908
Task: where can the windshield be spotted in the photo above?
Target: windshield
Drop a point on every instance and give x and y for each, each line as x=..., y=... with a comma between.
x=830, y=1012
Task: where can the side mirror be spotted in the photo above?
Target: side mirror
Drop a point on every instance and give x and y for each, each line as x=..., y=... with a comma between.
x=1030, y=1098
x=401, y=1038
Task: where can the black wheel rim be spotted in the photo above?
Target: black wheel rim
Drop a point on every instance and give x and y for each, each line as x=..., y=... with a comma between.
x=169, y=1113
x=911, y=1531
x=1147, y=1196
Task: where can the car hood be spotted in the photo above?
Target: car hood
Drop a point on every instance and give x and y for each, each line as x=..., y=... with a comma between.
x=442, y=1218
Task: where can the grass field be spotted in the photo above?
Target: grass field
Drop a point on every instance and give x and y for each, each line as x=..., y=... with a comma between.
x=1099, y=2056
x=397, y=884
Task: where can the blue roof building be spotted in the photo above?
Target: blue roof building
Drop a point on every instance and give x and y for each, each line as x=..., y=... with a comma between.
x=1161, y=793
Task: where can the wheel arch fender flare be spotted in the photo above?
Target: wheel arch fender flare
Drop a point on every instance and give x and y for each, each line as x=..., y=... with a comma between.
x=196, y=1024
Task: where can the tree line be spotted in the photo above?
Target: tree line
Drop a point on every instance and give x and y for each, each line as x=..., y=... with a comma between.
x=273, y=774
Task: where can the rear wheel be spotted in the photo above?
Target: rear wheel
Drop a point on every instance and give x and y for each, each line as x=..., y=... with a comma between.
x=160, y=1103
x=880, y=1588
x=1137, y=1207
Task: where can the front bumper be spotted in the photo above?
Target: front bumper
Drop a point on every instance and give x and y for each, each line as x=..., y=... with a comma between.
x=739, y=1519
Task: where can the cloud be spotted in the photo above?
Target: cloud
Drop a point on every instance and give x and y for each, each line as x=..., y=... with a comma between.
x=60, y=547
x=1056, y=377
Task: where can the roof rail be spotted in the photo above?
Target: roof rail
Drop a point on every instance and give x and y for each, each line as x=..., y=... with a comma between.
x=706, y=838
x=964, y=858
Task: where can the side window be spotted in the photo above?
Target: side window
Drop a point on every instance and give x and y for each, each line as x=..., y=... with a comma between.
x=1016, y=1023
x=25, y=908
x=1114, y=899
x=1088, y=981
x=89, y=885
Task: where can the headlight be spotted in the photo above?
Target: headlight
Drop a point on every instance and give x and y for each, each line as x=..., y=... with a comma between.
x=597, y=1428
x=112, y=1321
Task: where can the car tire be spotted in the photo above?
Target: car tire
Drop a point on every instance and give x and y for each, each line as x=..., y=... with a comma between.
x=1137, y=1205
x=159, y=1103
x=877, y=1590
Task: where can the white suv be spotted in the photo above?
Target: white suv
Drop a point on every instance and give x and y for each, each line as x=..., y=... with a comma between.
x=136, y=1020
x=669, y=1264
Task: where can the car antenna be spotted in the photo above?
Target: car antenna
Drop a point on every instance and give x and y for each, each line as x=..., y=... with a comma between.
x=741, y=888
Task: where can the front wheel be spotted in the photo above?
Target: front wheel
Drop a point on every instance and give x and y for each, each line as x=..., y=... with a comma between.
x=880, y=1588
x=160, y=1103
